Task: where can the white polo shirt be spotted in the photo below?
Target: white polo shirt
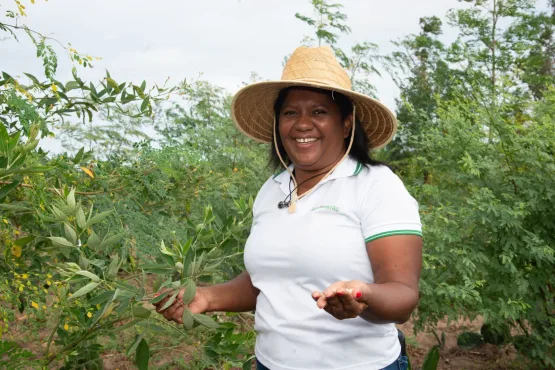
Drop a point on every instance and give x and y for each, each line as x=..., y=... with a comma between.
x=288, y=256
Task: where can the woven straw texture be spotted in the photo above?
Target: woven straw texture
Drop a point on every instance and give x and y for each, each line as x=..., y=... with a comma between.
x=253, y=106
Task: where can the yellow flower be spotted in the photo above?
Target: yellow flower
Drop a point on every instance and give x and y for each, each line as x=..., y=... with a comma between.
x=54, y=88
x=43, y=306
x=49, y=276
x=5, y=221
x=48, y=282
x=89, y=314
x=16, y=251
x=17, y=232
x=34, y=304
x=25, y=276
x=66, y=327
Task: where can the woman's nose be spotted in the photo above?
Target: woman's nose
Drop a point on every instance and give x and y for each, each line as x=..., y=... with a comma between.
x=304, y=123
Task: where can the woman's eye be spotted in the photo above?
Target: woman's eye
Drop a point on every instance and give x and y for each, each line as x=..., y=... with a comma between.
x=288, y=113
x=320, y=111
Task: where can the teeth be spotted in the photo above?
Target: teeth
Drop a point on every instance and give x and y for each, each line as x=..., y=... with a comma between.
x=306, y=140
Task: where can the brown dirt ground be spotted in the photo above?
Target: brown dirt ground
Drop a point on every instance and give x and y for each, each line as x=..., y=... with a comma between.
x=484, y=357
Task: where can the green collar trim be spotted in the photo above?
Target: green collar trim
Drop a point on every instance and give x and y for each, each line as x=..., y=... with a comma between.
x=358, y=169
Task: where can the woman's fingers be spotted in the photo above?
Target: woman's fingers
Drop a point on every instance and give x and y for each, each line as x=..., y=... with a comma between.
x=178, y=314
x=168, y=313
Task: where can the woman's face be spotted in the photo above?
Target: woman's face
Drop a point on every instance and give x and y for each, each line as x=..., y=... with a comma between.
x=311, y=129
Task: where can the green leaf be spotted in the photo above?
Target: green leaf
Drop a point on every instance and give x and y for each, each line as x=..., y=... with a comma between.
x=99, y=217
x=141, y=311
x=188, y=258
x=111, y=240
x=58, y=215
x=84, y=290
x=25, y=240
x=101, y=298
x=70, y=233
x=113, y=268
x=206, y=321
x=7, y=188
x=432, y=359
x=13, y=141
x=93, y=240
x=170, y=301
x=33, y=78
x=79, y=156
x=187, y=318
x=60, y=242
x=133, y=346
x=164, y=250
x=72, y=85
x=80, y=217
x=160, y=298
x=142, y=356
x=4, y=140
x=15, y=208
x=144, y=104
x=190, y=291
x=88, y=274
x=71, y=200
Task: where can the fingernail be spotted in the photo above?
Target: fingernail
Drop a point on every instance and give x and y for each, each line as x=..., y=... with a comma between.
x=359, y=294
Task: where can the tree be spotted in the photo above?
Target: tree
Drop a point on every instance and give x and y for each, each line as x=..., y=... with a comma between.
x=329, y=24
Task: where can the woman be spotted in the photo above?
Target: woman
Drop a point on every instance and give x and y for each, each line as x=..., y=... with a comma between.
x=334, y=254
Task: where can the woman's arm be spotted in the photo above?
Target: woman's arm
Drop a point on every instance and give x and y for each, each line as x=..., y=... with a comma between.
x=237, y=295
x=396, y=263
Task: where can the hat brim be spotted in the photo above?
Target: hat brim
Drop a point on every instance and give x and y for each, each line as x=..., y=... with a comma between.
x=252, y=110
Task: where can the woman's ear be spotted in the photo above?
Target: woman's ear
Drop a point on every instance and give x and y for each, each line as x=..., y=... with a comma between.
x=347, y=125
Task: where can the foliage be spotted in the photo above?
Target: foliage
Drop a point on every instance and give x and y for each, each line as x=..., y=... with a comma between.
x=328, y=24
x=85, y=259
x=469, y=340
x=476, y=146
x=155, y=194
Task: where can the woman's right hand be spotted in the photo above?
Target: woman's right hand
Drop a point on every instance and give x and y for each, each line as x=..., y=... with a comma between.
x=199, y=304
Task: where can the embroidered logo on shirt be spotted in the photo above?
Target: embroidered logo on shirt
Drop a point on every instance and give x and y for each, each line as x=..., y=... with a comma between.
x=331, y=208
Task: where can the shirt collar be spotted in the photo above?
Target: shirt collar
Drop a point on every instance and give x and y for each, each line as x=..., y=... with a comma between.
x=349, y=167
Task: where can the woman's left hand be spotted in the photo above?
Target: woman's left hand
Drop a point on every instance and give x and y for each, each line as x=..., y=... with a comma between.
x=344, y=299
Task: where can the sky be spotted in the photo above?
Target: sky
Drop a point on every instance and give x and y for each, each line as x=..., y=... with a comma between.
x=224, y=40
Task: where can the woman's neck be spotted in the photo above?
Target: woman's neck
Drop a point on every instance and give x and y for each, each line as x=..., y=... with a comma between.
x=305, y=175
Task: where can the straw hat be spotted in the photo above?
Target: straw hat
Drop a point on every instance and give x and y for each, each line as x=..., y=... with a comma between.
x=252, y=108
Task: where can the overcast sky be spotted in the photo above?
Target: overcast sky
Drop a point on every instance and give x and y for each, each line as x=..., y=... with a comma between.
x=225, y=40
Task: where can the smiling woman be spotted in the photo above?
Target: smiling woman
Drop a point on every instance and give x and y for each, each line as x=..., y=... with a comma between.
x=330, y=276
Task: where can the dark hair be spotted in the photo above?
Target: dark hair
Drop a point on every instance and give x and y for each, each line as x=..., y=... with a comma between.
x=360, y=150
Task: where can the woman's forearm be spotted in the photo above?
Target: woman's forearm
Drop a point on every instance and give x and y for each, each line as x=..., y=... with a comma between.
x=389, y=303
x=237, y=295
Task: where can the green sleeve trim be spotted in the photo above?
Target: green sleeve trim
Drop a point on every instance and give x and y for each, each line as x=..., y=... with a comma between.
x=391, y=233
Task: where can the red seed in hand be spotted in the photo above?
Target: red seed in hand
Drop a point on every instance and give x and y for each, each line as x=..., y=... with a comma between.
x=359, y=294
